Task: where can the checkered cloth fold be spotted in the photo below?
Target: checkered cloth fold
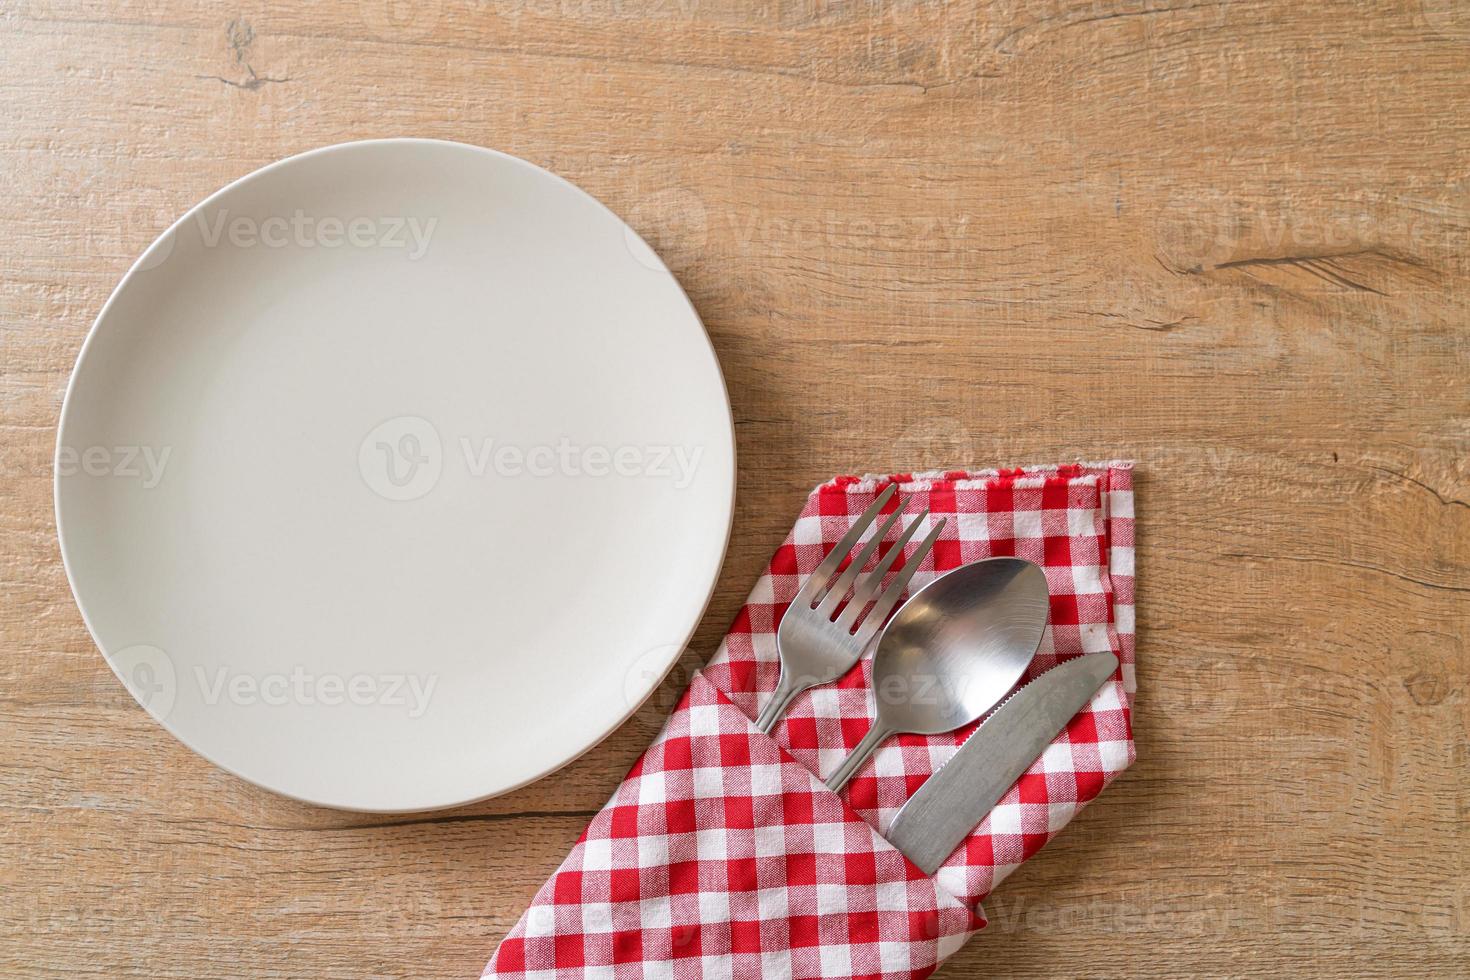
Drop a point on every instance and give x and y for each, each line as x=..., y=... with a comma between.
x=723, y=855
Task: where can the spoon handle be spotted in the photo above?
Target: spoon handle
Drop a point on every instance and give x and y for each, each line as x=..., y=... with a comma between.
x=855, y=759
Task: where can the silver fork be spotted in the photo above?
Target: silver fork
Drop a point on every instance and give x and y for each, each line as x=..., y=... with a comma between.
x=815, y=642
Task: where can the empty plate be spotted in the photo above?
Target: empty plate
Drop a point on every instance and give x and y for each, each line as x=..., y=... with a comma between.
x=394, y=475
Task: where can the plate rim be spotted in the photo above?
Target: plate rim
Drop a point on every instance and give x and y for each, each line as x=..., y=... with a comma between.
x=715, y=560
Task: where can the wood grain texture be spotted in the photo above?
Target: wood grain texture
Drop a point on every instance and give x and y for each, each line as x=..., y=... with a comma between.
x=1225, y=239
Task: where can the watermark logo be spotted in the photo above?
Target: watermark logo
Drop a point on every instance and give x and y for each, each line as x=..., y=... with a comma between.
x=652, y=687
x=1199, y=230
x=406, y=233
x=1448, y=18
x=144, y=464
x=124, y=231
x=402, y=458
x=148, y=673
x=399, y=20
x=676, y=221
x=160, y=254
x=942, y=443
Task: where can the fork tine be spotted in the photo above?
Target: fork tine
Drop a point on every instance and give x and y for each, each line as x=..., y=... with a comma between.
x=874, y=620
x=849, y=574
x=818, y=579
x=869, y=585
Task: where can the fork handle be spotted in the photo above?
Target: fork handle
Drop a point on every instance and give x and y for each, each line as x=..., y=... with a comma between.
x=787, y=688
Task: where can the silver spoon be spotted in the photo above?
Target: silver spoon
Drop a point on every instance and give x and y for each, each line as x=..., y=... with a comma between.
x=952, y=652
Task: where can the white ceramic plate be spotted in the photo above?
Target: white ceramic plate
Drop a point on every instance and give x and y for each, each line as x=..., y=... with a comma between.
x=394, y=475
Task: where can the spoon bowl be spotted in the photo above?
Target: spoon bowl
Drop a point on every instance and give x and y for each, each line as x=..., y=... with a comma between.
x=953, y=651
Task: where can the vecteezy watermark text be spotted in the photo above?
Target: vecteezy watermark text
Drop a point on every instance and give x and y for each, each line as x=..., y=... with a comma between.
x=149, y=673
x=302, y=230
x=146, y=464
x=566, y=458
x=300, y=687
x=404, y=457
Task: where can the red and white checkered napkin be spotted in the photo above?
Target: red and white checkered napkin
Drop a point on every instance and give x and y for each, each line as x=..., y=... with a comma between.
x=723, y=855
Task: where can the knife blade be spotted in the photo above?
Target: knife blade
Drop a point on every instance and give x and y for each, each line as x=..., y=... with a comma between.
x=954, y=800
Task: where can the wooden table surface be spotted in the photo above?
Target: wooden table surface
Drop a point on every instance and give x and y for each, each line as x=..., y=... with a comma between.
x=1226, y=239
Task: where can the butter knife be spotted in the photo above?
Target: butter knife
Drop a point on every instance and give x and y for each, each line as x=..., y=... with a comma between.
x=953, y=801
